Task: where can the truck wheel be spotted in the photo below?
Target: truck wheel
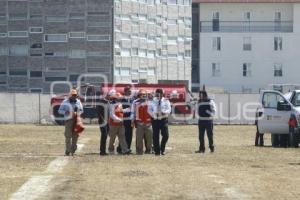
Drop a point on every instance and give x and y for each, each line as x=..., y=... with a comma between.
x=275, y=140
x=284, y=140
x=293, y=138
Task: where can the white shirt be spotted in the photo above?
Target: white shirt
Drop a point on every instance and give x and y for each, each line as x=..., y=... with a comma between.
x=159, y=111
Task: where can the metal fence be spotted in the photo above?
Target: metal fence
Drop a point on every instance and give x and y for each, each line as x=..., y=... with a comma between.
x=35, y=108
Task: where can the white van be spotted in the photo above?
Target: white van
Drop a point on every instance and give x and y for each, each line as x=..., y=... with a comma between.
x=279, y=115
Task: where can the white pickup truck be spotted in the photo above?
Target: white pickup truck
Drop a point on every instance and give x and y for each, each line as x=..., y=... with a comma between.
x=279, y=115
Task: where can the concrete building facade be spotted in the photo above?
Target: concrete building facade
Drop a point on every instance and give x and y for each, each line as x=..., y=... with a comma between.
x=244, y=46
x=153, y=41
x=42, y=41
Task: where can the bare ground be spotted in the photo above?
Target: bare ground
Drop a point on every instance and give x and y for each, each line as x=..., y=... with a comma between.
x=237, y=170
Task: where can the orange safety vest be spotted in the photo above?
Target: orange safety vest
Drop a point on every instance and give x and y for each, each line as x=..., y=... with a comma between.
x=119, y=113
x=142, y=114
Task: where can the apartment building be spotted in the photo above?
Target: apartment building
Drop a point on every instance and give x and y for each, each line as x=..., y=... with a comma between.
x=244, y=46
x=45, y=41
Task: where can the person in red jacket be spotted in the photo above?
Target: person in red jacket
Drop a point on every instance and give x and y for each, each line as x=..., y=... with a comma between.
x=116, y=128
x=142, y=120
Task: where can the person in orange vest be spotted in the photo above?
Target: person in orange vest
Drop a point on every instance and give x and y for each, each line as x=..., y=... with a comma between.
x=116, y=127
x=142, y=121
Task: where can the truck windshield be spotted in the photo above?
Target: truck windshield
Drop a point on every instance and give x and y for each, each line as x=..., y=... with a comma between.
x=296, y=99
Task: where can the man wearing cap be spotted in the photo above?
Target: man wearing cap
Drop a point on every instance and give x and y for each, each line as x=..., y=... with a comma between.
x=70, y=107
x=116, y=128
x=142, y=120
x=159, y=109
x=127, y=103
x=206, y=112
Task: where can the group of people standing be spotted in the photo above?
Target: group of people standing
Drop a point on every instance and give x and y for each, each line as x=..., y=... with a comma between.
x=147, y=113
x=119, y=114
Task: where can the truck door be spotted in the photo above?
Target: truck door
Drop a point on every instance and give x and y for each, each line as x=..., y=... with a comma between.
x=273, y=120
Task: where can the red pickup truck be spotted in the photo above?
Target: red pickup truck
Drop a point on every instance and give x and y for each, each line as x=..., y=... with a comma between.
x=179, y=96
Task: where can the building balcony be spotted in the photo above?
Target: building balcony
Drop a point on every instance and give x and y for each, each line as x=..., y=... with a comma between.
x=246, y=26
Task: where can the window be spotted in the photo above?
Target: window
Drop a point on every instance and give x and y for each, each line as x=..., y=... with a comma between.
x=56, y=38
x=180, y=56
x=73, y=77
x=125, y=52
x=18, y=50
x=36, y=29
x=56, y=54
x=125, y=71
x=172, y=40
x=77, y=16
x=98, y=54
x=142, y=52
x=134, y=51
x=98, y=37
x=277, y=16
x=77, y=35
x=151, y=72
x=216, y=21
x=36, y=17
x=36, y=90
x=151, y=54
x=278, y=70
x=247, y=46
x=216, y=69
x=56, y=69
x=21, y=34
x=187, y=53
x=36, y=46
x=172, y=22
x=3, y=35
x=247, y=16
x=278, y=44
x=77, y=53
x=55, y=78
x=18, y=72
x=174, y=2
x=36, y=54
x=17, y=16
x=56, y=18
x=3, y=51
x=271, y=99
x=36, y=74
x=117, y=71
x=172, y=55
x=217, y=43
x=247, y=70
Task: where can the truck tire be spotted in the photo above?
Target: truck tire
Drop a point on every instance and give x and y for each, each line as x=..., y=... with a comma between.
x=275, y=140
x=293, y=138
x=57, y=117
x=284, y=140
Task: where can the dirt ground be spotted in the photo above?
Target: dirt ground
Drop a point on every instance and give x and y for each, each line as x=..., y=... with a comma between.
x=237, y=170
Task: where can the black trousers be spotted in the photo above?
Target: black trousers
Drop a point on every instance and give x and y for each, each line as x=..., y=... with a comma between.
x=160, y=127
x=208, y=127
x=104, y=133
x=128, y=134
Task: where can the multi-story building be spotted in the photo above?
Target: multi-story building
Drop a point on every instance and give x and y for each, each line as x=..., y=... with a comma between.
x=42, y=41
x=245, y=45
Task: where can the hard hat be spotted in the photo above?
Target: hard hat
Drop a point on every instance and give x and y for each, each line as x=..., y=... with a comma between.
x=116, y=95
x=111, y=93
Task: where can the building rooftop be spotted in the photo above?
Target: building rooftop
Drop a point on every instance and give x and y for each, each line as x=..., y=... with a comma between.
x=246, y=1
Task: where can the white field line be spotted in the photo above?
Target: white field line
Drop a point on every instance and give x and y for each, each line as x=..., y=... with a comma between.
x=38, y=185
x=231, y=192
